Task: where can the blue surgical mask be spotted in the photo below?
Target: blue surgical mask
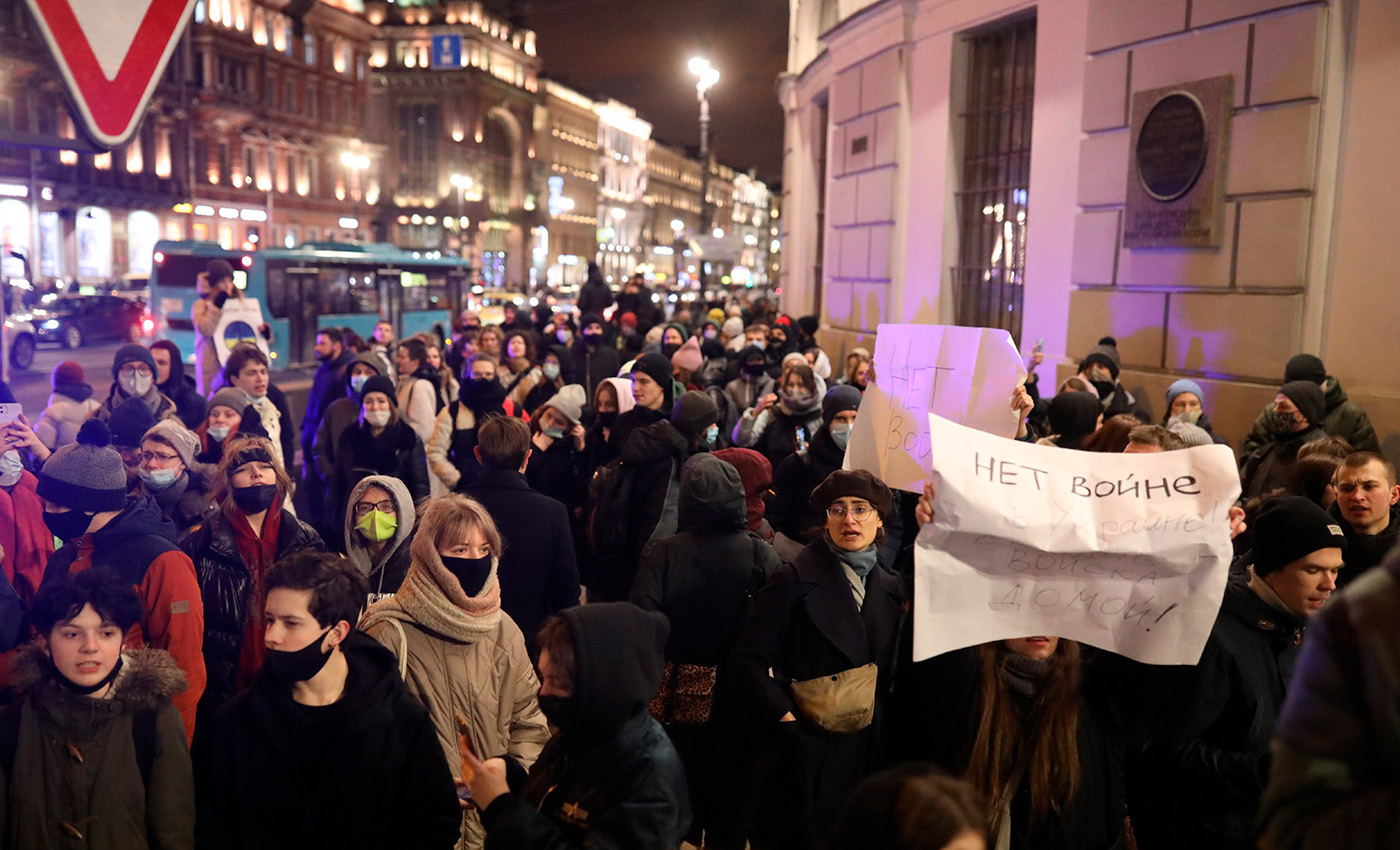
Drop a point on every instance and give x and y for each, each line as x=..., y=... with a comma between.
x=11, y=467
x=841, y=434
x=357, y=383
x=712, y=435
x=158, y=479
x=551, y=370
x=218, y=432
x=552, y=433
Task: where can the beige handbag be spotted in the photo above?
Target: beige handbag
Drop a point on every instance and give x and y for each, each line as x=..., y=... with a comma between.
x=842, y=703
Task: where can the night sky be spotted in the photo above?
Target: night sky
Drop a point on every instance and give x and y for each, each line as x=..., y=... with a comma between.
x=636, y=51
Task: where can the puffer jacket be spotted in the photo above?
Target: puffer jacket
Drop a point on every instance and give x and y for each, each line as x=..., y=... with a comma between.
x=58, y=798
x=481, y=672
x=439, y=451
x=224, y=584
x=59, y=423
x=1345, y=418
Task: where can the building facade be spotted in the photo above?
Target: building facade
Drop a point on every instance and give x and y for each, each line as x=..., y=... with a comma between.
x=975, y=163
x=673, y=218
x=568, y=126
x=623, y=141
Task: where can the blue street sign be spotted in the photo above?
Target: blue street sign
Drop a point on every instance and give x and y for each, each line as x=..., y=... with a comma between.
x=447, y=51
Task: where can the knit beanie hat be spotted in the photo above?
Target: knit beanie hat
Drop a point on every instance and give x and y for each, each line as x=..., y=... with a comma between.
x=133, y=353
x=839, y=399
x=1304, y=367
x=87, y=475
x=694, y=412
x=380, y=384
x=1191, y=435
x=1106, y=354
x=589, y=319
x=128, y=422
x=569, y=402
x=856, y=483
x=1184, y=385
x=1289, y=528
x=793, y=358
x=716, y=315
x=654, y=366
x=177, y=436
x=229, y=397
x=68, y=373
x=688, y=356
x=732, y=327
x=808, y=324
x=628, y=318
x=1308, y=398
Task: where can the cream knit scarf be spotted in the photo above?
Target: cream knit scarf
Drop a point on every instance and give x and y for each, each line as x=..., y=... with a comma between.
x=432, y=597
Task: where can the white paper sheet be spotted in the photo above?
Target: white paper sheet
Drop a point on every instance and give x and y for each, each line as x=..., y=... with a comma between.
x=1129, y=553
x=238, y=323
x=967, y=375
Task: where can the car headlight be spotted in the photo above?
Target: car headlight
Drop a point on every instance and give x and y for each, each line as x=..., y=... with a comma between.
x=51, y=324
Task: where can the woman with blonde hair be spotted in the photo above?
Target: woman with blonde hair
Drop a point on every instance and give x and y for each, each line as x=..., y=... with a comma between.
x=458, y=652
x=238, y=543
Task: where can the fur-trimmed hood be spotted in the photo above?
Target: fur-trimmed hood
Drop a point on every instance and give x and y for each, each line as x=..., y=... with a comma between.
x=148, y=678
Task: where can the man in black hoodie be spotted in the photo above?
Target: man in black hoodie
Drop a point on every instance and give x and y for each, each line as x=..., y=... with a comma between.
x=177, y=386
x=610, y=777
x=325, y=748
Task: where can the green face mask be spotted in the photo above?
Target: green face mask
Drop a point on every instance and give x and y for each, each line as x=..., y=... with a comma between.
x=377, y=526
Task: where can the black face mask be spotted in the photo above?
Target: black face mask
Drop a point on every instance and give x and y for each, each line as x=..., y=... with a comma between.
x=560, y=711
x=300, y=665
x=72, y=686
x=1276, y=423
x=669, y=349
x=69, y=525
x=471, y=573
x=607, y=419
x=753, y=370
x=256, y=498
x=1104, y=388
x=591, y=340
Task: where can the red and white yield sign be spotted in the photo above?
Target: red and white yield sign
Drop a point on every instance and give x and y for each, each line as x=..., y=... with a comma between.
x=111, y=53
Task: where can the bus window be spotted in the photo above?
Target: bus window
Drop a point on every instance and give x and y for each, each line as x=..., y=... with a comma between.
x=278, y=289
x=348, y=289
x=424, y=290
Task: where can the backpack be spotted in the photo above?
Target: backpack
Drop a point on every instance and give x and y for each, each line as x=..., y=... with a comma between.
x=143, y=738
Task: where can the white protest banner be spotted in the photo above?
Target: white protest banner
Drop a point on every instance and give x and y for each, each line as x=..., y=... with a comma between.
x=238, y=324
x=1129, y=553
x=965, y=374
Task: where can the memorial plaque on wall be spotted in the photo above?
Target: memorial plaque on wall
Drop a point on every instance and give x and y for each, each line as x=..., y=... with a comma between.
x=1176, y=165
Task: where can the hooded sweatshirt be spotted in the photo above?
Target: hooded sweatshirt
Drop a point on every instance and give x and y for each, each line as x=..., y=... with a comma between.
x=386, y=572
x=610, y=777
x=702, y=577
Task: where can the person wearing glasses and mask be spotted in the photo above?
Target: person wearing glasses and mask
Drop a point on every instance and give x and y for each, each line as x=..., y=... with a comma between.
x=380, y=443
x=172, y=477
x=134, y=376
x=812, y=664
x=379, y=528
x=232, y=552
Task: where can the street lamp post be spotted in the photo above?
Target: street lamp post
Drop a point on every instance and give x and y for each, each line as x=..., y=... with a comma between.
x=707, y=77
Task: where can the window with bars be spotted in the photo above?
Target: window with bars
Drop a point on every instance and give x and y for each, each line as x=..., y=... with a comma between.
x=989, y=278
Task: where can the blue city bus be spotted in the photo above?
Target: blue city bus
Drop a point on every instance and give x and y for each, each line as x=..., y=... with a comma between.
x=314, y=286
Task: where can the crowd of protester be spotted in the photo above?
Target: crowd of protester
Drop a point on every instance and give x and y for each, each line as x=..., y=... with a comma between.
x=601, y=580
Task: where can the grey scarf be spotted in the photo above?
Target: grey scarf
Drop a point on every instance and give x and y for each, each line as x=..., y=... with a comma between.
x=1023, y=674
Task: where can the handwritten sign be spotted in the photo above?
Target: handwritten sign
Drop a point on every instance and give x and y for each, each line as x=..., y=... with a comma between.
x=967, y=375
x=1129, y=553
x=238, y=324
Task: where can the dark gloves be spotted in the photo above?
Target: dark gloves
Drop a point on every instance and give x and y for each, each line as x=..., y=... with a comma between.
x=219, y=298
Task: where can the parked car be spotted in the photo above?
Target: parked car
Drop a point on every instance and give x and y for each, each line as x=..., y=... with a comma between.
x=71, y=320
x=19, y=340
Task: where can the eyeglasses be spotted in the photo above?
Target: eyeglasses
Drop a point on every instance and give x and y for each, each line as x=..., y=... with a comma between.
x=385, y=507
x=136, y=369
x=860, y=512
x=150, y=457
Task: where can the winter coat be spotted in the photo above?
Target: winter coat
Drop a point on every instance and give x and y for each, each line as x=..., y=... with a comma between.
x=472, y=664
x=139, y=545
x=26, y=541
x=1211, y=759
x=539, y=574
x=594, y=296
x=1364, y=551
x=789, y=508
x=805, y=625
x=286, y=439
x=596, y=365
x=943, y=708
x=59, y=422
x=185, y=502
x=76, y=767
x=774, y=432
x=1272, y=465
x=704, y=576
x=206, y=318
x=384, y=573
x=1336, y=752
x=745, y=394
x=633, y=420
x=162, y=408
x=328, y=383
x=396, y=452
x=342, y=413
x=190, y=406
x=1345, y=419
x=611, y=778
x=364, y=773
x=560, y=472
x=451, y=465
x=224, y=584
x=418, y=403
